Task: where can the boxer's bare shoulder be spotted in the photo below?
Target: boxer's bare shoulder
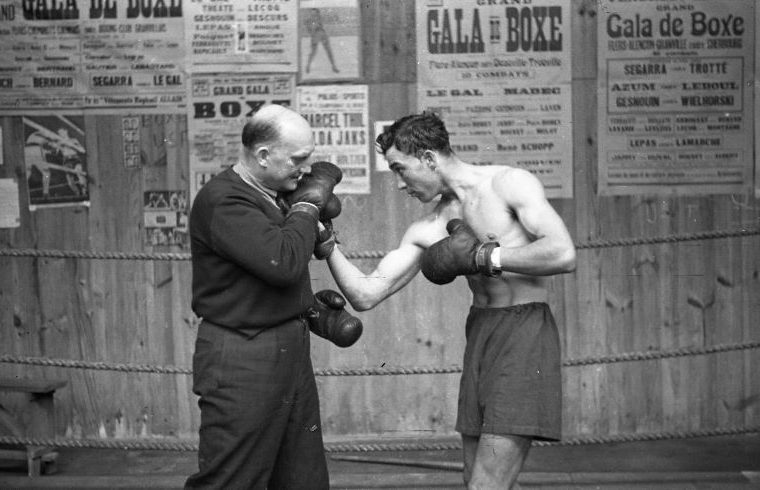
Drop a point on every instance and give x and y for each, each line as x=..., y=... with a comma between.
x=516, y=182
x=493, y=208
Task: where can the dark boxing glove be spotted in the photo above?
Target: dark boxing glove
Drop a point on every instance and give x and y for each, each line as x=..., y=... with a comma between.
x=328, y=319
x=461, y=253
x=317, y=187
x=326, y=240
x=332, y=209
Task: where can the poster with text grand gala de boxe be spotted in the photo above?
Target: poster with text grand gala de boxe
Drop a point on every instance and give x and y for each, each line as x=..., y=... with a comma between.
x=675, y=96
x=499, y=76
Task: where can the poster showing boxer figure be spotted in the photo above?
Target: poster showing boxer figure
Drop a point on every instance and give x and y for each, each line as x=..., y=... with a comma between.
x=675, y=99
x=329, y=33
x=498, y=74
x=56, y=161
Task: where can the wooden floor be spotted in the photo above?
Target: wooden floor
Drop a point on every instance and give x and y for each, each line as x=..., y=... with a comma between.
x=704, y=463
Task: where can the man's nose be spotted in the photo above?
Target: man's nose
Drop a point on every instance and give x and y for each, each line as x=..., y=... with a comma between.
x=400, y=184
x=306, y=169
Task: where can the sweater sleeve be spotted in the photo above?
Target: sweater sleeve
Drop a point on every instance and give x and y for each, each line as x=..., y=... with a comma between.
x=276, y=253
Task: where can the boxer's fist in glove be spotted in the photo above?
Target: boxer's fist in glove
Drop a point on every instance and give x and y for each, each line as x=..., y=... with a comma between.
x=332, y=209
x=461, y=253
x=326, y=240
x=317, y=187
x=328, y=319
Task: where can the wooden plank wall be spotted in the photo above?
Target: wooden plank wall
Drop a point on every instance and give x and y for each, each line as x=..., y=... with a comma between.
x=650, y=297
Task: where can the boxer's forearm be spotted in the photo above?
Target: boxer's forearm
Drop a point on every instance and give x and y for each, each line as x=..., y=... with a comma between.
x=365, y=291
x=351, y=281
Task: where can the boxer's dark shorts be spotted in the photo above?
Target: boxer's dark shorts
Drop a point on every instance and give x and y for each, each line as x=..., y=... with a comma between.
x=511, y=382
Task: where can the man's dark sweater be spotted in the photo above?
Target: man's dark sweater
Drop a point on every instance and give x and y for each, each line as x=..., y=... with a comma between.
x=250, y=262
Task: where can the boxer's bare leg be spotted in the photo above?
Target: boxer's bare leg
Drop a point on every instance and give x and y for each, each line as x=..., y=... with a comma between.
x=493, y=462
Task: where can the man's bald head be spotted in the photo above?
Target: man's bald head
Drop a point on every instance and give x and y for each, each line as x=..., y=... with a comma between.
x=269, y=123
x=278, y=144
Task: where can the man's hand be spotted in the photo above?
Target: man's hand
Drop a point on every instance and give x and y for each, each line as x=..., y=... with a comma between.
x=328, y=319
x=461, y=253
x=317, y=188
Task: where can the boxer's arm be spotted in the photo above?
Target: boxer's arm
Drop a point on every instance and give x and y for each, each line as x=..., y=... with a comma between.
x=552, y=250
x=393, y=272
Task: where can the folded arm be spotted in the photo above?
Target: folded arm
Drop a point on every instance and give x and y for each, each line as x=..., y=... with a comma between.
x=551, y=250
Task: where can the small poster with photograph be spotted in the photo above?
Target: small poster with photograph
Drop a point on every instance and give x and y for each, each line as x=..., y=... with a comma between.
x=330, y=40
x=165, y=218
x=55, y=160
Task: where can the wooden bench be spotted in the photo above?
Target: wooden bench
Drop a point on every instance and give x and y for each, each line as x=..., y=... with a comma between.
x=41, y=424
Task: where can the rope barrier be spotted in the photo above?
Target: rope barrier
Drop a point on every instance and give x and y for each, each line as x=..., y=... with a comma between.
x=652, y=355
x=94, y=365
x=84, y=254
x=381, y=371
x=387, y=371
x=685, y=237
x=424, y=445
x=368, y=254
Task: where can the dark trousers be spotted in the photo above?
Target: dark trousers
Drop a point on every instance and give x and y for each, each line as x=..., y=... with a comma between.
x=260, y=425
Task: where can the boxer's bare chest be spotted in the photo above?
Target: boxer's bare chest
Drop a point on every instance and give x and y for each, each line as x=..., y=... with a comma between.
x=491, y=217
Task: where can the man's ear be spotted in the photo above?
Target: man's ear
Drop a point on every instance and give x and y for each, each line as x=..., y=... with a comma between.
x=262, y=156
x=430, y=159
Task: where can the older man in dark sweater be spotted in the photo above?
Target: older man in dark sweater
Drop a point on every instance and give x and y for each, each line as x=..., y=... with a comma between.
x=260, y=425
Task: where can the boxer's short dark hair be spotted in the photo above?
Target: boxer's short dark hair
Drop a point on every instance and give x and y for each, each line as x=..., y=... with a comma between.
x=414, y=134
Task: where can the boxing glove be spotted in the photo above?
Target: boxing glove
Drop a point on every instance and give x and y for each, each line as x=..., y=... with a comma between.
x=317, y=187
x=326, y=240
x=328, y=319
x=332, y=209
x=461, y=253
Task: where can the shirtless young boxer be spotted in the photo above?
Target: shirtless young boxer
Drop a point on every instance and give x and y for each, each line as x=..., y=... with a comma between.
x=494, y=226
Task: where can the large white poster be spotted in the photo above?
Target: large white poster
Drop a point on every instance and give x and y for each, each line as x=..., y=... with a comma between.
x=498, y=73
x=675, y=98
x=102, y=56
x=339, y=117
x=242, y=36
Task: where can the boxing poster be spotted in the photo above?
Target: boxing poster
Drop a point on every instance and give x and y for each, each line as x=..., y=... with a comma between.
x=220, y=105
x=230, y=36
x=102, y=56
x=675, y=99
x=339, y=118
x=56, y=161
x=165, y=218
x=330, y=37
x=499, y=75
